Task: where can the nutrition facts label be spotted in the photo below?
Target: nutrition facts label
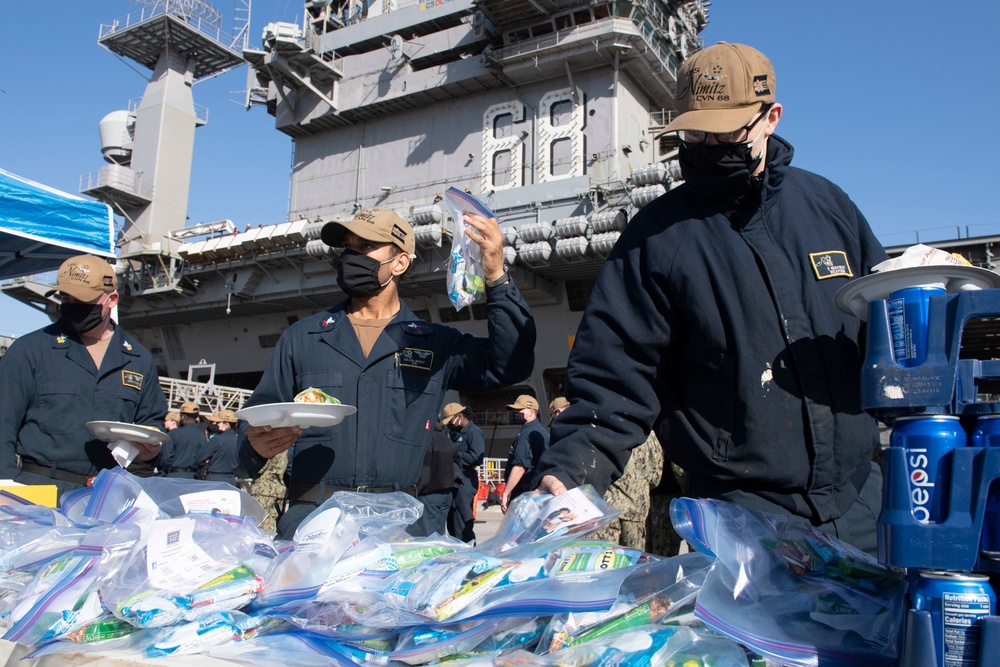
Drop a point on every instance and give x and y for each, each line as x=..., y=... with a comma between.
x=960, y=613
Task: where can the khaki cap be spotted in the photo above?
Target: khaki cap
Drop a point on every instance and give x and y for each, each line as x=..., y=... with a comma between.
x=173, y=416
x=372, y=224
x=558, y=403
x=223, y=416
x=524, y=401
x=190, y=409
x=85, y=277
x=451, y=411
x=720, y=88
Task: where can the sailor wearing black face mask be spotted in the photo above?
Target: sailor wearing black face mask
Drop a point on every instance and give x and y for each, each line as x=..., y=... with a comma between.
x=81, y=368
x=528, y=446
x=470, y=445
x=372, y=352
x=713, y=322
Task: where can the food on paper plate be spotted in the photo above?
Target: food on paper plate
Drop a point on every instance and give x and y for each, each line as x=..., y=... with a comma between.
x=314, y=395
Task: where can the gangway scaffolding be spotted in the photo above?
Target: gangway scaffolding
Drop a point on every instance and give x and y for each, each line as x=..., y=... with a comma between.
x=209, y=396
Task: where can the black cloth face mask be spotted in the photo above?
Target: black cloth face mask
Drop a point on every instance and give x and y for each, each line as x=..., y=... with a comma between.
x=519, y=419
x=719, y=171
x=79, y=318
x=358, y=275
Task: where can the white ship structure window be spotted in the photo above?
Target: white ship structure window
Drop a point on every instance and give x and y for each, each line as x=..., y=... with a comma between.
x=561, y=22
x=503, y=147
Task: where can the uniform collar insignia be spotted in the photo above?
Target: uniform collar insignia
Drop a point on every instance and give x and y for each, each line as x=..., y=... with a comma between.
x=60, y=339
x=328, y=321
x=127, y=345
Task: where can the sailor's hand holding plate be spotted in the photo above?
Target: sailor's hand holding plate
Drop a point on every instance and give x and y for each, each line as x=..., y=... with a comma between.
x=274, y=427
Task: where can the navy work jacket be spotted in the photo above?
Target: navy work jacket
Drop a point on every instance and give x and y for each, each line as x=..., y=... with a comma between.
x=51, y=389
x=470, y=443
x=398, y=389
x=187, y=448
x=719, y=330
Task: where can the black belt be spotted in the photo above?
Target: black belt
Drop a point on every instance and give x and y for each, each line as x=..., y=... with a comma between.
x=55, y=473
x=301, y=492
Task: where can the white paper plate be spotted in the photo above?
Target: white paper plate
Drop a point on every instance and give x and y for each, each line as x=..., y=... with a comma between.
x=854, y=296
x=112, y=431
x=303, y=415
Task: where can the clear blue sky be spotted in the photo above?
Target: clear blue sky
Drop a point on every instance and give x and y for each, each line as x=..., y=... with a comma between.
x=893, y=100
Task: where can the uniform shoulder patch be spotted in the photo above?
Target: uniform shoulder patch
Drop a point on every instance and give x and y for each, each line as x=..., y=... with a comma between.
x=132, y=379
x=831, y=264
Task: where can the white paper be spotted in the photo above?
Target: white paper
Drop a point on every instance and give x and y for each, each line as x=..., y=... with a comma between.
x=123, y=451
x=174, y=562
x=206, y=502
x=920, y=255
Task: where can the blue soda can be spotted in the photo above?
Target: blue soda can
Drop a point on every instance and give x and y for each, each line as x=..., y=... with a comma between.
x=928, y=441
x=907, y=309
x=956, y=602
x=986, y=433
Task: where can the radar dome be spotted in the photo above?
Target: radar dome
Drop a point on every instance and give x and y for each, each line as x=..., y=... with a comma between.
x=117, y=129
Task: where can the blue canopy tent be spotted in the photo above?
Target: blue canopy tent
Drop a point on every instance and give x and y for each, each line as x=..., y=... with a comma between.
x=41, y=226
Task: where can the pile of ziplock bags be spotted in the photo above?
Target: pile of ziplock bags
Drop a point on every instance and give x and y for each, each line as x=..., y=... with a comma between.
x=158, y=567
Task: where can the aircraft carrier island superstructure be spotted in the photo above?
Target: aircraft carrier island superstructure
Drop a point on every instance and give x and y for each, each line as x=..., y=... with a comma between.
x=547, y=110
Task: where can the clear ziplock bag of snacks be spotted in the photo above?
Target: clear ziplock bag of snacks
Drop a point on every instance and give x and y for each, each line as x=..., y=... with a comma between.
x=466, y=281
x=788, y=590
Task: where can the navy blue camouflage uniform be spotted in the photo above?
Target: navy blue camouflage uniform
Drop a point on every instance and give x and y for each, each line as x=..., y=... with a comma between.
x=51, y=389
x=718, y=329
x=398, y=389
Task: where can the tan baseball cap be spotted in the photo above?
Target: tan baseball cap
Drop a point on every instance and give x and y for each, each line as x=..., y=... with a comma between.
x=524, y=401
x=85, y=277
x=223, y=416
x=190, y=409
x=450, y=411
x=372, y=224
x=557, y=403
x=720, y=88
x=173, y=416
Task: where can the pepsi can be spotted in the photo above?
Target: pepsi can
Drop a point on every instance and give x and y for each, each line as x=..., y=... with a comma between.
x=908, y=309
x=986, y=433
x=956, y=602
x=928, y=441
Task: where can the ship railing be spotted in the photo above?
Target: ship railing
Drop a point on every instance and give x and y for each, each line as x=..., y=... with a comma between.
x=210, y=397
x=645, y=28
x=200, y=112
x=484, y=418
x=491, y=471
x=118, y=177
x=206, y=21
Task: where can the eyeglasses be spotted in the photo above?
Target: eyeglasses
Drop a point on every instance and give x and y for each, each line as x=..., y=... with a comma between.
x=733, y=137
